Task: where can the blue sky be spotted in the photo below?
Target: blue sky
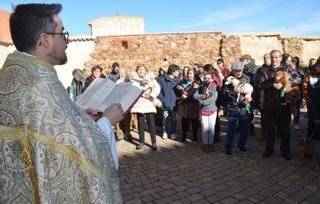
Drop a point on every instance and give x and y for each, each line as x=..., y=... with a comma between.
x=301, y=17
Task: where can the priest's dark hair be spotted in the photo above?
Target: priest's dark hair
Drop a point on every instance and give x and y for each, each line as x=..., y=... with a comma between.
x=28, y=21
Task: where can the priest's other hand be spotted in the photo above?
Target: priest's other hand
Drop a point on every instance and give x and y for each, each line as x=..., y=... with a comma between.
x=93, y=114
x=114, y=113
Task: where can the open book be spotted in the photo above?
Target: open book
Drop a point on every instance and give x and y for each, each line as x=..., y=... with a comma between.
x=103, y=92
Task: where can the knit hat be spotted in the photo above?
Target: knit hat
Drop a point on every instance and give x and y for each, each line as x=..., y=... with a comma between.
x=237, y=66
x=246, y=56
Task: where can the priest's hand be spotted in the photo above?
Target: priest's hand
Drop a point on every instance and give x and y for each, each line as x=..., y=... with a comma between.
x=93, y=114
x=114, y=113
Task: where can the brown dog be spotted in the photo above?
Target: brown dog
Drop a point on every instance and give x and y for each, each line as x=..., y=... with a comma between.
x=305, y=148
x=292, y=93
x=282, y=77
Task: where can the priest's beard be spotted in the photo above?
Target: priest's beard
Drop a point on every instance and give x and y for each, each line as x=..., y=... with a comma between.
x=63, y=60
x=58, y=58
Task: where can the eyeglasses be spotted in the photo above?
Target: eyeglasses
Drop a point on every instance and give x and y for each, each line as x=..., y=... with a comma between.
x=64, y=34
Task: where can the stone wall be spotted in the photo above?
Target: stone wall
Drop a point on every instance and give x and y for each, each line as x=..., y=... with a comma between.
x=230, y=48
x=293, y=46
x=160, y=50
x=156, y=50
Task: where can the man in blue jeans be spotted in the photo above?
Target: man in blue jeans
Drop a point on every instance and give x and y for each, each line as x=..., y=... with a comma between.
x=168, y=98
x=237, y=108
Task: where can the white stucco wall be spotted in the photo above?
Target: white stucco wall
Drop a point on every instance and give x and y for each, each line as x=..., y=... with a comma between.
x=117, y=25
x=311, y=49
x=4, y=51
x=78, y=52
x=257, y=46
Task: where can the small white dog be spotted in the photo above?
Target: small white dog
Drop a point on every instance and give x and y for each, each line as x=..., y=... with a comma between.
x=246, y=88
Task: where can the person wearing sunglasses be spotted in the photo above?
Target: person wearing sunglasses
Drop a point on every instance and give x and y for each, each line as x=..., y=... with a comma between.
x=50, y=150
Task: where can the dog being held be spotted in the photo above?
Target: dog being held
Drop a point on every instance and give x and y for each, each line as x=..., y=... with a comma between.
x=305, y=148
x=246, y=88
x=292, y=91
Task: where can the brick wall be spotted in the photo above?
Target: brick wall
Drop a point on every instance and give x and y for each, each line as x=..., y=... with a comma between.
x=5, y=35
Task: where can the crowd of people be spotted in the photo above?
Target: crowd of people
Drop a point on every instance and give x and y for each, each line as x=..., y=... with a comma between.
x=278, y=89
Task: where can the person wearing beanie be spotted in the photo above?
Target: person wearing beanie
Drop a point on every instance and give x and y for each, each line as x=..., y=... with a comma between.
x=236, y=108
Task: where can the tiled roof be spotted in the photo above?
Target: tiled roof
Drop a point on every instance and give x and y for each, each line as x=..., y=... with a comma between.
x=81, y=38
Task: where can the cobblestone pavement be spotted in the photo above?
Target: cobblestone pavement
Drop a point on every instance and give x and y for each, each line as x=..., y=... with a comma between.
x=183, y=173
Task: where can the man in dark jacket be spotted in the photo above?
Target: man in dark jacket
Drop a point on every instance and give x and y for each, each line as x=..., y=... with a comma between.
x=316, y=134
x=258, y=96
x=237, y=109
x=168, y=98
x=277, y=113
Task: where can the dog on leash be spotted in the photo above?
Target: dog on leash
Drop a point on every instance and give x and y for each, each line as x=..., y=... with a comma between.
x=305, y=148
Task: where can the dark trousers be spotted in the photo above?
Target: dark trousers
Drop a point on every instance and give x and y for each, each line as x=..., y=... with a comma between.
x=124, y=125
x=311, y=124
x=217, y=126
x=185, y=123
x=278, y=124
x=151, y=124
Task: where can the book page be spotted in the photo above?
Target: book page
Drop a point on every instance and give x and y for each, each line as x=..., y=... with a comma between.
x=124, y=93
x=95, y=94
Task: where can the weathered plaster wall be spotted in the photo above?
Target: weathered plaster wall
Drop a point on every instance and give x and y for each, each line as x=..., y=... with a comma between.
x=257, y=46
x=78, y=53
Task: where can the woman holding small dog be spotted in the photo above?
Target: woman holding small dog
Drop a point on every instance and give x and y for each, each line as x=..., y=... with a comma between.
x=207, y=96
x=145, y=108
x=188, y=107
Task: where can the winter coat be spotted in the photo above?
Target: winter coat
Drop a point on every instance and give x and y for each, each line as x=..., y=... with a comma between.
x=187, y=107
x=168, y=92
x=308, y=84
x=235, y=104
x=250, y=70
x=113, y=77
x=264, y=82
x=145, y=105
x=207, y=103
x=315, y=104
x=315, y=101
x=89, y=80
x=75, y=89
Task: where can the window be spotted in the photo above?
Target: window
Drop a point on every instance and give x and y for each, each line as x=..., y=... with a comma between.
x=124, y=44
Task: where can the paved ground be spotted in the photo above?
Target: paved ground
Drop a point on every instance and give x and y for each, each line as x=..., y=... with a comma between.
x=183, y=173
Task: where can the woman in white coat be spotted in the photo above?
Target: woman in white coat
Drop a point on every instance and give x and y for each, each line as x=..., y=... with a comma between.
x=145, y=108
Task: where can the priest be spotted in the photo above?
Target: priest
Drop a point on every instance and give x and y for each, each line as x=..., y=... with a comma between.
x=51, y=151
